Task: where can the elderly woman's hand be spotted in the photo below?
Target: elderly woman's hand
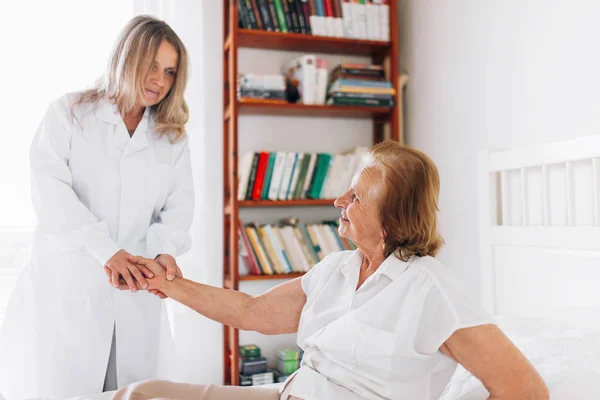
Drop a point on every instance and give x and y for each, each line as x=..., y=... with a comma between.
x=171, y=270
x=170, y=265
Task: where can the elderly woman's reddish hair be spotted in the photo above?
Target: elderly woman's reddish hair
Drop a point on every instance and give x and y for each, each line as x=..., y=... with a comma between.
x=409, y=203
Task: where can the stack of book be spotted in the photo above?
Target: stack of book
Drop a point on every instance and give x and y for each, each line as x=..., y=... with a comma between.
x=291, y=246
x=292, y=176
x=355, y=19
x=261, y=87
x=360, y=85
x=253, y=367
x=288, y=361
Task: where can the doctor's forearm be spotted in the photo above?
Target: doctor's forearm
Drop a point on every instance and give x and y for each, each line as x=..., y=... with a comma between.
x=221, y=305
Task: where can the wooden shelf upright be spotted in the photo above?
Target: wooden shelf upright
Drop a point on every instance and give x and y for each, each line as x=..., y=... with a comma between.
x=386, y=125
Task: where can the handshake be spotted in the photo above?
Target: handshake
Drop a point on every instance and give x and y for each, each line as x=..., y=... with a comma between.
x=128, y=272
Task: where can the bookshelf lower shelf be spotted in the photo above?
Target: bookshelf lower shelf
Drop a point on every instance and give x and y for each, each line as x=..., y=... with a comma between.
x=270, y=277
x=280, y=203
x=227, y=280
x=250, y=107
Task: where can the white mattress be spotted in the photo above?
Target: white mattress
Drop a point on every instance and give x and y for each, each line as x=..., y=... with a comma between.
x=567, y=359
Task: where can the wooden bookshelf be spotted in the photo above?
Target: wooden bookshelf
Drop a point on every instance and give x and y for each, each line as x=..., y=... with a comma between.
x=385, y=124
x=298, y=42
x=268, y=277
x=280, y=203
x=304, y=110
x=286, y=203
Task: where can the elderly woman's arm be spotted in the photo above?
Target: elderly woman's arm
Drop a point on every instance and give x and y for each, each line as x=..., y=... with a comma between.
x=274, y=312
x=491, y=357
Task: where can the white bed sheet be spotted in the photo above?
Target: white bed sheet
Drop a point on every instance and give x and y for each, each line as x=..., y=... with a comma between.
x=567, y=358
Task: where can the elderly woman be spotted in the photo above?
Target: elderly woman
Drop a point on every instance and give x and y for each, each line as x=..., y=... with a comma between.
x=385, y=321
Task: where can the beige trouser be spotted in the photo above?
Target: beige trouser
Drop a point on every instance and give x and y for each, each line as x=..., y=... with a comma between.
x=183, y=391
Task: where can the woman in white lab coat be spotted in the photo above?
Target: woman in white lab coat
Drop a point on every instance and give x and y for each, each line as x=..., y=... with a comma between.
x=111, y=180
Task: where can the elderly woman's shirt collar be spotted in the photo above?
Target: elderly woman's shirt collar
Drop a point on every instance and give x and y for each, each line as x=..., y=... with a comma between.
x=392, y=267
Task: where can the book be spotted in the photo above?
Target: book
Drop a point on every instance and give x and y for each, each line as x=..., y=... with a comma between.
x=260, y=175
x=249, y=350
x=321, y=81
x=253, y=365
x=266, y=266
x=360, y=102
x=281, y=19
x=247, y=253
x=268, y=176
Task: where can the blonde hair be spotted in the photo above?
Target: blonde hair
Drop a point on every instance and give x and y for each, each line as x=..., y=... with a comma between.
x=410, y=200
x=131, y=59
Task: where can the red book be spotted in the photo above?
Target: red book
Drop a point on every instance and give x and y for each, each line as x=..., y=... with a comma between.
x=328, y=5
x=261, y=168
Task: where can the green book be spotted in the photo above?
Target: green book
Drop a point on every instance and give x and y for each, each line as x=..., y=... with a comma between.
x=302, y=177
x=250, y=350
x=288, y=354
x=320, y=177
x=280, y=15
x=313, y=176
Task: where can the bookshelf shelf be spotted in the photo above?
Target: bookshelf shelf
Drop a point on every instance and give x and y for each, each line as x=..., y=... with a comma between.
x=247, y=107
x=385, y=121
x=286, y=203
x=270, y=277
x=281, y=203
x=300, y=42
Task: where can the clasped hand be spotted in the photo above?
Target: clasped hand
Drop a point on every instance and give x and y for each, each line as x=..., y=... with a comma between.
x=128, y=272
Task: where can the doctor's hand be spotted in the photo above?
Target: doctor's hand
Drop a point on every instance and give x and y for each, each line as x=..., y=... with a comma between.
x=125, y=265
x=160, y=276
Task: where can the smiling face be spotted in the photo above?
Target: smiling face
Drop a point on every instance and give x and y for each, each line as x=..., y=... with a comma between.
x=161, y=77
x=360, y=208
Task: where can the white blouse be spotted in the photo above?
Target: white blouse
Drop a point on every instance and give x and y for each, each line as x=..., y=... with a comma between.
x=382, y=340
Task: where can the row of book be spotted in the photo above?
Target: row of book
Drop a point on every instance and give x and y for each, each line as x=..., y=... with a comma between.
x=355, y=19
x=253, y=366
x=306, y=80
x=293, y=176
x=288, y=247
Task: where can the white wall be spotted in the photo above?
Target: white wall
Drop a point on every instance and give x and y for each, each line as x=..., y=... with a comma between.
x=494, y=74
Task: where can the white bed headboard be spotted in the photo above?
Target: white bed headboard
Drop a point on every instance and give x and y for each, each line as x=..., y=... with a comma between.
x=540, y=231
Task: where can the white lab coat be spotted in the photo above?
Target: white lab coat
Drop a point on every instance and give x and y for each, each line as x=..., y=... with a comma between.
x=95, y=190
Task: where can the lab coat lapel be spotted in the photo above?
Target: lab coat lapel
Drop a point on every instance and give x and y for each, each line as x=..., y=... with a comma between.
x=136, y=166
x=108, y=112
x=139, y=140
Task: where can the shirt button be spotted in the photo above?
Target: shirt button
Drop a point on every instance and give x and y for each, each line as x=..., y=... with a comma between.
x=109, y=303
